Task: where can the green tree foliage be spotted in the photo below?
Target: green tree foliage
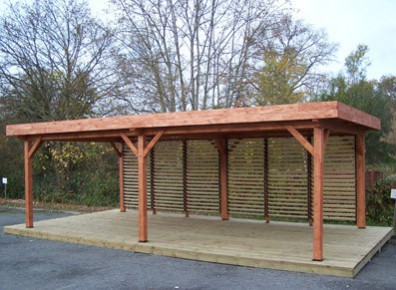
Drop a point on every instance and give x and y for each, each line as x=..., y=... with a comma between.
x=53, y=66
x=353, y=89
x=291, y=58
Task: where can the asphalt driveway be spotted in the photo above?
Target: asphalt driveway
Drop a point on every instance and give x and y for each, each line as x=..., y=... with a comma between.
x=28, y=263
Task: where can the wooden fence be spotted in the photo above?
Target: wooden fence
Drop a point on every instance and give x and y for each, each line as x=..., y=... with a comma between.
x=267, y=177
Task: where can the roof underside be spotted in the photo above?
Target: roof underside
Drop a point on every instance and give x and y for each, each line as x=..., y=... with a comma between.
x=270, y=120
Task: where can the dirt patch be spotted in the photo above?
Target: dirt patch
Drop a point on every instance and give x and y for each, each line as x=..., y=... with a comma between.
x=18, y=203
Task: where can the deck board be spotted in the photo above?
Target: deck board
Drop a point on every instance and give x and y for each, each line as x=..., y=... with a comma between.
x=277, y=245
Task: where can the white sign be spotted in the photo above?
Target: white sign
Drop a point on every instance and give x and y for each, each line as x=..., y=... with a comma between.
x=393, y=193
x=5, y=181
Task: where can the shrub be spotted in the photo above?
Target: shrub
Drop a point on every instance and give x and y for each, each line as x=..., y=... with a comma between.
x=379, y=204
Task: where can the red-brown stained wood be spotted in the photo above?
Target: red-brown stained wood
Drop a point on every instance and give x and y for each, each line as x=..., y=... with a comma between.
x=222, y=147
x=28, y=185
x=153, y=142
x=142, y=183
x=353, y=115
x=121, y=176
x=129, y=143
x=300, y=138
x=318, y=194
x=36, y=146
x=360, y=182
x=281, y=113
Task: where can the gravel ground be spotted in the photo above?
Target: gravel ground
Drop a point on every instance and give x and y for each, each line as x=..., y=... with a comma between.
x=28, y=263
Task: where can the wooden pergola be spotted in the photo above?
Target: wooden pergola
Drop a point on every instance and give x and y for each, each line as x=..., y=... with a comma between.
x=302, y=121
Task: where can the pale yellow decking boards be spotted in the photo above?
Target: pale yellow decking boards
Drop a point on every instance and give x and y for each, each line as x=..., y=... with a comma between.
x=277, y=245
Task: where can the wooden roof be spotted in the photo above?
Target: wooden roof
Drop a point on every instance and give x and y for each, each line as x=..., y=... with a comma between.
x=335, y=116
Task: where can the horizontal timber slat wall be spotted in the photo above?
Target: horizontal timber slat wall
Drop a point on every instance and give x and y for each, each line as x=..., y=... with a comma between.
x=246, y=177
x=288, y=178
x=168, y=176
x=202, y=178
x=186, y=179
x=339, y=179
x=131, y=178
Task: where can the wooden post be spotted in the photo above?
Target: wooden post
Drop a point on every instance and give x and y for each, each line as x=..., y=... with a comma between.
x=360, y=181
x=142, y=182
x=185, y=190
x=29, y=151
x=152, y=181
x=121, y=172
x=266, y=182
x=319, y=144
x=309, y=182
x=28, y=185
x=222, y=147
x=119, y=151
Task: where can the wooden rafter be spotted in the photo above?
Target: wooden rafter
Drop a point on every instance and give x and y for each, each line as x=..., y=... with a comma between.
x=129, y=143
x=300, y=138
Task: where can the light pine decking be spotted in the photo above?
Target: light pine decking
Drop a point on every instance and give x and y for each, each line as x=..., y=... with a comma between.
x=277, y=245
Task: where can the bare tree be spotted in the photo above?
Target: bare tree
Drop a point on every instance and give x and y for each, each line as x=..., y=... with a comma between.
x=53, y=60
x=188, y=55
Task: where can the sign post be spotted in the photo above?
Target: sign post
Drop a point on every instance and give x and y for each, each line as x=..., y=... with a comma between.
x=393, y=196
x=4, y=181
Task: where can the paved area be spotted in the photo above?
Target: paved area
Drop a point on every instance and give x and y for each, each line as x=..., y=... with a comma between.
x=28, y=263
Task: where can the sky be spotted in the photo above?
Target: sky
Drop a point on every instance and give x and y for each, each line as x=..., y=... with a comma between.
x=353, y=22
x=347, y=23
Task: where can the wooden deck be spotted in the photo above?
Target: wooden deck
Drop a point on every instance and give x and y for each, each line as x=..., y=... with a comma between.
x=277, y=245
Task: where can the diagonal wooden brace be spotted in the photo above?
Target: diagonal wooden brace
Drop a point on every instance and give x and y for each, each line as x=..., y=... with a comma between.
x=129, y=144
x=153, y=141
x=300, y=138
x=35, y=147
x=116, y=149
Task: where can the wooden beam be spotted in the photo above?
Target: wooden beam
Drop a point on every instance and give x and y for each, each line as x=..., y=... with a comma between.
x=36, y=145
x=222, y=147
x=318, y=193
x=300, y=138
x=280, y=113
x=28, y=184
x=339, y=126
x=153, y=142
x=360, y=182
x=142, y=183
x=129, y=143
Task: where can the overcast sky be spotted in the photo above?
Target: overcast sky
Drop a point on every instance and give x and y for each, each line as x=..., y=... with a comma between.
x=350, y=22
